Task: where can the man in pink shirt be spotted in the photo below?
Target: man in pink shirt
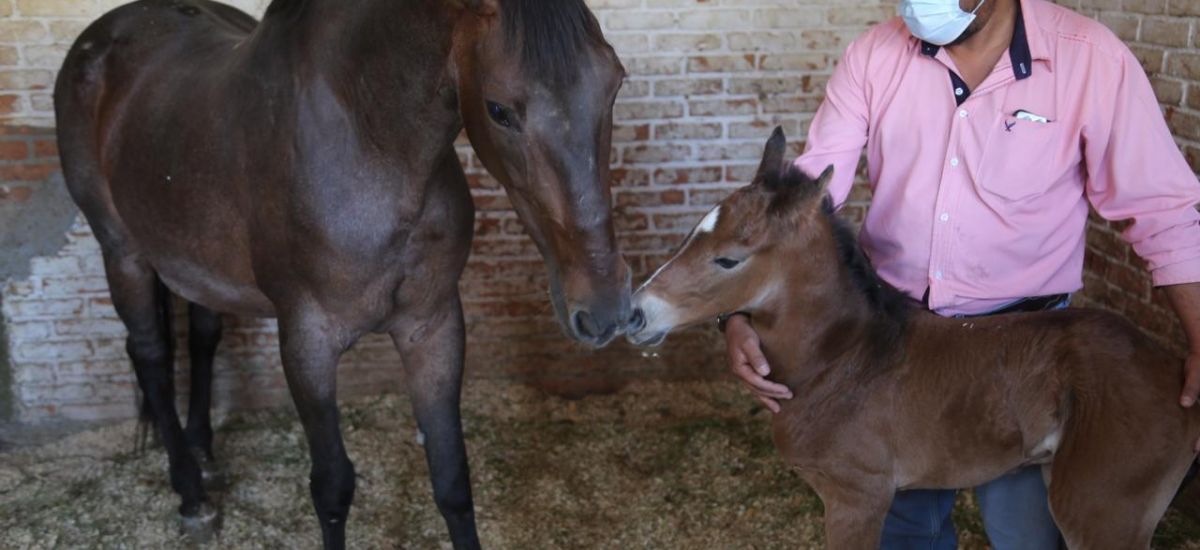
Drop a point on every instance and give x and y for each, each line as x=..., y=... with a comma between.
x=984, y=155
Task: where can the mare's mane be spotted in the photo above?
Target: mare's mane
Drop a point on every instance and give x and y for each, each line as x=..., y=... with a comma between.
x=285, y=7
x=550, y=34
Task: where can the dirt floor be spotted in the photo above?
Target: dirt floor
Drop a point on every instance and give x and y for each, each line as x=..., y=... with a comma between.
x=681, y=465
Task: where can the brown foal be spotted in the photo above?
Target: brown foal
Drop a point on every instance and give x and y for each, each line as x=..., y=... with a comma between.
x=891, y=397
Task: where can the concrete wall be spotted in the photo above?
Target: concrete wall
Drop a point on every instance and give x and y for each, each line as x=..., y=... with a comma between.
x=708, y=80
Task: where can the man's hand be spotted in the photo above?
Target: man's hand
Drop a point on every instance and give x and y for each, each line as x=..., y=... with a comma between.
x=1186, y=301
x=1191, y=380
x=746, y=360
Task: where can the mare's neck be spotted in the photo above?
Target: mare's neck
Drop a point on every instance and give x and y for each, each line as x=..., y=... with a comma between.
x=385, y=62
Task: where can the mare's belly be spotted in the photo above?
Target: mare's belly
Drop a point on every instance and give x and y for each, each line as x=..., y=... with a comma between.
x=196, y=283
x=196, y=240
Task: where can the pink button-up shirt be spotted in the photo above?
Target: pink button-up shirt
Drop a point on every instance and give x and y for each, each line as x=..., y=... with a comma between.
x=981, y=207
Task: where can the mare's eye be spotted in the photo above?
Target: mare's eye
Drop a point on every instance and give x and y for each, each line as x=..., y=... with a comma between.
x=727, y=263
x=501, y=115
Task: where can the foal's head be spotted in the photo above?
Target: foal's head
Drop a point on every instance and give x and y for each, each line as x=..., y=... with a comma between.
x=742, y=253
x=536, y=83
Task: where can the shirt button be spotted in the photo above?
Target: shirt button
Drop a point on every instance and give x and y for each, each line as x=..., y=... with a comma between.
x=944, y=217
x=938, y=275
x=962, y=114
x=958, y=91
x=954, y=161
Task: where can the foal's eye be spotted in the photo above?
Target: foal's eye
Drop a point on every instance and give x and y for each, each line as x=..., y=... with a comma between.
x=727, y=263
x=501, y=115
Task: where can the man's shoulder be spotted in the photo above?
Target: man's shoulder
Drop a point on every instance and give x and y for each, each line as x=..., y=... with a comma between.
x=1062, y=26
x=889, y=36
x=892, y=32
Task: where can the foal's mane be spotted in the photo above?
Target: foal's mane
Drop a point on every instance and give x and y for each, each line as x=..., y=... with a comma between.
x=549, y=33
x=875, y=349
x=884, y=299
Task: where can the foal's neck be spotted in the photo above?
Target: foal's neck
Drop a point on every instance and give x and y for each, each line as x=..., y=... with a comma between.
x=821, y=321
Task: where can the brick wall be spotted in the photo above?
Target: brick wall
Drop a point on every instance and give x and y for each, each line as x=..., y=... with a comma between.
x=708, y=80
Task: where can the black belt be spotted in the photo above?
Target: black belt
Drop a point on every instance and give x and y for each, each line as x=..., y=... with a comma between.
x=1024, y=305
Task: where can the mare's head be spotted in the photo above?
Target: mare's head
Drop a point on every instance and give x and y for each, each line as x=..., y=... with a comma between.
x=536, y=86
x=742, y=252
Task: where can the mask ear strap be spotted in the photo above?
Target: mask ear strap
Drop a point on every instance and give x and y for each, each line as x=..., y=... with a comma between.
x=976, y=10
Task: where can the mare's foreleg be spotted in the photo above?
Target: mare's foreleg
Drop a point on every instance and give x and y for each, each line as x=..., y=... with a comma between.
x=144, y=305
x=311, y=345
x=204, y=333
x=431, y=345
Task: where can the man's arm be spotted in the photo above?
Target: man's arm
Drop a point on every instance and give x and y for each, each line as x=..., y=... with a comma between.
x=1186, y=301
x=1137, y=173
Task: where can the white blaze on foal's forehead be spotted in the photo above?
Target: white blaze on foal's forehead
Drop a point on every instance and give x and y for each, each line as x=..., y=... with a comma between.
x=709, y=223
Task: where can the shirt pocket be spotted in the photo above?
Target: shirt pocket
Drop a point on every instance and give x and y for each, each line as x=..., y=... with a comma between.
x=1023, y=158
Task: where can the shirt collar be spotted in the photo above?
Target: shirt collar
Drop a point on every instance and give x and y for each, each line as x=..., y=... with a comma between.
x=1027, y=42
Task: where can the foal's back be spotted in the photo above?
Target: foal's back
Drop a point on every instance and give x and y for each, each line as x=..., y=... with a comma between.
x=1081, y=391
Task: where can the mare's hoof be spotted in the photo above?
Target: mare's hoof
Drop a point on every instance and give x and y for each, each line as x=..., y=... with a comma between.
x=201, y=527
x=211, y=473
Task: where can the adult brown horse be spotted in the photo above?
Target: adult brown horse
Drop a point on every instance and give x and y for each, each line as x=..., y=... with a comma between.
x=303, y=168
x=893, y=397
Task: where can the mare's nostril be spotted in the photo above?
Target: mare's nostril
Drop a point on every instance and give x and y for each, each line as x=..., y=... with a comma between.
x=638, y=321
x=584, y=325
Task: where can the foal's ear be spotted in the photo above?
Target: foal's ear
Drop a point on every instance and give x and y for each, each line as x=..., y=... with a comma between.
x=823, y=181
x=797, y=194
x=772, y=161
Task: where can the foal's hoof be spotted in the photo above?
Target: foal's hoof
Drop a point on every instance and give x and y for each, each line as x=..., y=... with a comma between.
x=201, y=527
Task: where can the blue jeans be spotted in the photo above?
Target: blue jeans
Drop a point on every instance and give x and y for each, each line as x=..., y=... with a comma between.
x=1016, y=515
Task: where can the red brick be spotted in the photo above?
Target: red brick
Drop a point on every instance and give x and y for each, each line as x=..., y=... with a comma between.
x=9, y=104
x=15, y=194
x=14, y=150
x=27, y=172
x=45, y=148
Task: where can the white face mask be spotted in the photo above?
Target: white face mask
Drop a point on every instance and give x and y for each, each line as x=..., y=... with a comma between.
x=938, y=22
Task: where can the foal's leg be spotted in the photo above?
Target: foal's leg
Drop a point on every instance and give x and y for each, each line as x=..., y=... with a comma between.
x=1110, y=489
x=204, y=333
x=431, y=345
x=854, y=513
x=144, y=305
x=311, y=345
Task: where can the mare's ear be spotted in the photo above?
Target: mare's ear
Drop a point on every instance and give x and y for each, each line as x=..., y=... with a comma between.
x=481, y=7
x=772, y=161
